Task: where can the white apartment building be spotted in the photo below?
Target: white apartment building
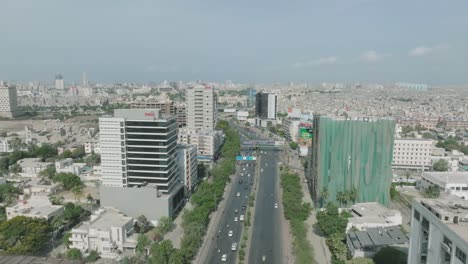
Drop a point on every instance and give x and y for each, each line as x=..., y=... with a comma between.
x=5, y=145
x=412, y=154
x=67, y=165
x=201, y=108
x=453, y=182
x=106, y=232
x=139, y=163
x=59, y=82
x=291, y=129
x=189, y=167
x=92, y=146
x=208, y=142
x=242, y=115
x=8, y=101
x=30, y=167
x=439, y=231
x=38, y=206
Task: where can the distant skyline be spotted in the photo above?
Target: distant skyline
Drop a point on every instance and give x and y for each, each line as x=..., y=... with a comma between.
x=421, y=41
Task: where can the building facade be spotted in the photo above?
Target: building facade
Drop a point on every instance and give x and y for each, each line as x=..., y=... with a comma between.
x=266, y=106
x=454, y=183
x=189, y=167
x=208, y=143
x=92, y=146
x=139, y=149
x=8, y=101
x=5, y=145
x=439, y=231
x=350, y=156
x=59, y=83
x=412, y=154
x=201, y=108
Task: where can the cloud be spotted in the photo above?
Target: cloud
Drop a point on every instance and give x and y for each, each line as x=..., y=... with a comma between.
x=425, y=50
x=372, y=56
x=321, y=61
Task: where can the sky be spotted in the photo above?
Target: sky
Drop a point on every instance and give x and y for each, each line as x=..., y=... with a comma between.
x=259, y=41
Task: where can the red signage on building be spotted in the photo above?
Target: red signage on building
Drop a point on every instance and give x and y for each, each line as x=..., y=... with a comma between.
x=149, y=114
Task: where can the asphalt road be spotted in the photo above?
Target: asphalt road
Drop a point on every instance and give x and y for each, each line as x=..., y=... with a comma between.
x=267, y=228
x=223, y=243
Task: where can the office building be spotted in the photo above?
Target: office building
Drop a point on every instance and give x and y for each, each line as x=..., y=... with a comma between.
x=166, y=108
x=188, y=167
x=353, y=156
x=59, y=83
x=8, y=101
x=208, y=143
x=139, y=163
x=265, y=108
x=450, y=182
x=412, y=154
x=439, y=231
x=201, y=108
x=251, y=93
x=106, y=232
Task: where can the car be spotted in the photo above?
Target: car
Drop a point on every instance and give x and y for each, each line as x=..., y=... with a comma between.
x=236, y=211
x=245, y=187
x=235, y=219
x=238, y=194
x=224, y=258
x=241, y=218
x=243, y=207
x=248, y=175
x=276, y=205
x=230, y=233
x=234, y=247
x=261, y=170
x=243, y=169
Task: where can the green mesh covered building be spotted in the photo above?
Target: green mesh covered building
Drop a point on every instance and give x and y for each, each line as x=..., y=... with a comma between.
x=350, y=160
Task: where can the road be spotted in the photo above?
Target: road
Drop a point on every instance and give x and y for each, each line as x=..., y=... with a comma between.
x=267, y=227
x=223, y=242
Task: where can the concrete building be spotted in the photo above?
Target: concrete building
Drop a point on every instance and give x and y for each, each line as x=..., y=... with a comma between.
x=38, y=206
x=208, y=143
x=367, y=242
x=439, y=231
x=370, y=215
x=201, y=108
x=351, y=154
x=291, y=129
x=265, y=108
x=188, y=164
x=166, y=108
x=67, y=165
x=242, y=115
x=40, y=186
x=5, y=145
x=30, y=167
x=8, y=101
x=139, y=163
x=412, y=154
x=59, y=83
x=92, y=146
x=454, y=183
x=107, y=232
x=181, y=115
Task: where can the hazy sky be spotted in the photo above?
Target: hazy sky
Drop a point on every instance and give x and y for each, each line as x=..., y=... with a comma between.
x=243, y=40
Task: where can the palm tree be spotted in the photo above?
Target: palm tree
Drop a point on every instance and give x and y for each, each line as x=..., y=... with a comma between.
x=340, y=197
x=324, y=195
x=78, y=192
x=353, y=195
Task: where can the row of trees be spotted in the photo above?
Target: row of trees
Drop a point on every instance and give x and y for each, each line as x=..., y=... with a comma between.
x=296, y=212
x=343, y=197
x=451, y=143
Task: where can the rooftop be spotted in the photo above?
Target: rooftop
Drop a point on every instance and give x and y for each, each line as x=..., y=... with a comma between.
x=447, y=177
x=31, y=162
x=372, y=212
x=36, y=205
x=104, y=219
x=377, y=236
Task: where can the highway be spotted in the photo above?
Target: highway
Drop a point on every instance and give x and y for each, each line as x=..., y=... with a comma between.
x=223, y=242
x=267, y=228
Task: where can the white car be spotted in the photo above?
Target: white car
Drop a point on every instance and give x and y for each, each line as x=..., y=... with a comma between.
x=276, y=205
x=243, y=169
x=261, y=170
x=224, y=258
x=238, y=194
x=235, y=219
x=234, y=247
x=241, y=218
x=230, y=233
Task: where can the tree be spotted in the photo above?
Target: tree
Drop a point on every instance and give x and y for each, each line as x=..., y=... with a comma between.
x=15, y=169
x=337, y=246
x=74, y=253
x=24, y=235
x=177, y=257
x=330, y=221
x=17, y=144
x=8, y=193
x=77, y=192
x=72, y=213
x=90, y=198
x=161, y=252
x=45, y=151
x=66, y=239
x=440, y=165
x=79, y=152
x=142, y=224
x=49, y=172
x=142, y=242
x=56, y=200
x=293, y=145
x=92, y=256
x=432, y=191
x=360, y=260
x=92, y=160
x=341, y=197
x=390, y=255
x=68, y=180
x=165, y=225
x=324, y=195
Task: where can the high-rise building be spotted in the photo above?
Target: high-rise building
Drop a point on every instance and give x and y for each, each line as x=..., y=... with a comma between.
x=139, y=162
x=439, y=231
x=59, y=83
x=412, y=154
x=265, y=107
x=166, y=108
x=350, y=157
x=251, y=93
x=8, y=101
x=201, y=108
x=188, y=167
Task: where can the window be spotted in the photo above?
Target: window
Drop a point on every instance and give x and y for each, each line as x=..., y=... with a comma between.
x=416, y=215
x=460, y=255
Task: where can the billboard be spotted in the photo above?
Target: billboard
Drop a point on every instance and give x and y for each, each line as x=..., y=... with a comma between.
x=304, y=133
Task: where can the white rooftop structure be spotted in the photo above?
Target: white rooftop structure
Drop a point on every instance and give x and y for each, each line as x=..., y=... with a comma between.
x=453, y=182
x=372, y=214
x=37, y=206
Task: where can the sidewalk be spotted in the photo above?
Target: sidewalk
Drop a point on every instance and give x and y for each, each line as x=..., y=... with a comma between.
x=215, y=217
x=175, y=235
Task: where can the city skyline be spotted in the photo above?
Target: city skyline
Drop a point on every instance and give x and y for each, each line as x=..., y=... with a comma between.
x=307, y=41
